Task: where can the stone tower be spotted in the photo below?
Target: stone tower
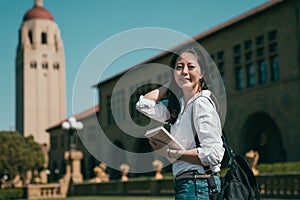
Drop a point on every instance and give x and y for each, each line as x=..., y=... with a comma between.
x=40, y=74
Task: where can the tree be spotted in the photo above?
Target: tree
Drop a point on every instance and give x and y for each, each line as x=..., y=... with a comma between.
x=19, y=154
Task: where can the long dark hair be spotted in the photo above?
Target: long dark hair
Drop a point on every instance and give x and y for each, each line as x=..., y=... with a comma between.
x=174, y=92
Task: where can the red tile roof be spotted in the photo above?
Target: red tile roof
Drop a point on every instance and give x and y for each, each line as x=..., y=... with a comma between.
x=79, y=116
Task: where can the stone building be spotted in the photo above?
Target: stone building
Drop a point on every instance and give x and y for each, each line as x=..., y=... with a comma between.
x=257, y=54
x=40, y=74
x=258, y=57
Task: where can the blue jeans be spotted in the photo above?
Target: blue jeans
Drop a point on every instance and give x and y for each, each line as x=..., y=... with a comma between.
x=187, y=189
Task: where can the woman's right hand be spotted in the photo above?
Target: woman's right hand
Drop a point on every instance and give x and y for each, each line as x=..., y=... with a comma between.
x=158, y=93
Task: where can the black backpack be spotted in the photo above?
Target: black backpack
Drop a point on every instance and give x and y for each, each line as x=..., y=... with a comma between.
x=239, y=181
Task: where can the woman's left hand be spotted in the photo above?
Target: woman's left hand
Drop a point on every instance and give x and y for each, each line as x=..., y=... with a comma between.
x=159, y=147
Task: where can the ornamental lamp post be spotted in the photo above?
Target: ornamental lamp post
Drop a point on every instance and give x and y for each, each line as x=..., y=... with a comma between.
x=72, y=125
x=73, y=156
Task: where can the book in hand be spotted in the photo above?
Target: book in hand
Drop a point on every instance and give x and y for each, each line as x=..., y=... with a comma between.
x=162, y=135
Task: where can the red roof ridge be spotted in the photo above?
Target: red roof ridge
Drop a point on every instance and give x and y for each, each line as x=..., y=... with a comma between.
x=225, y=24
x=237, y=18
x=79, y=116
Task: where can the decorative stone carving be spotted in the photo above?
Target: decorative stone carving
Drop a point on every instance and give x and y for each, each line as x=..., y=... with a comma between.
x=158, y=168
x=124, y=169
x=100, y=175
x=252, y=157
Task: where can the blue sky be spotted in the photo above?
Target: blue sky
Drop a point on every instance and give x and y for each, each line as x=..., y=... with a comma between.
x=85, y=24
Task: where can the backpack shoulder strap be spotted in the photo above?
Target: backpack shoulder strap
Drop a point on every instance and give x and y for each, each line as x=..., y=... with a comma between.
x=226, y=146
x=193, y=124
x=196, y=139
x=213, y=190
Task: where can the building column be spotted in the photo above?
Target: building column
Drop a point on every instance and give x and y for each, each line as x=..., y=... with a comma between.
x=74, y=162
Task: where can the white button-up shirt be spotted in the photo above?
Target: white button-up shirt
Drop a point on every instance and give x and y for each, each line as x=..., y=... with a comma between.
x=207, y=125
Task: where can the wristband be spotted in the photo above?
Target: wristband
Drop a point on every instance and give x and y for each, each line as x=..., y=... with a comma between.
x=176, y=156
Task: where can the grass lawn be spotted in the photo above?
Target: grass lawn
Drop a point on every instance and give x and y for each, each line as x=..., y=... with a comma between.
x=124, y=198
x=116, y=198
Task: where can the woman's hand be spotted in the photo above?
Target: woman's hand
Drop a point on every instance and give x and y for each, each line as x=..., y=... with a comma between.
x=159, y=147
x=164, y=150
x=158, y=93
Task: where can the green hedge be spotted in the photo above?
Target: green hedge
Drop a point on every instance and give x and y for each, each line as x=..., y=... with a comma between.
x=275, y=168
x=13, y=193
x=279, y=168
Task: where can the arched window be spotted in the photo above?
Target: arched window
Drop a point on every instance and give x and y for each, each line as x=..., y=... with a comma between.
x=55, y=43
x=30, y=36
x=44, y=38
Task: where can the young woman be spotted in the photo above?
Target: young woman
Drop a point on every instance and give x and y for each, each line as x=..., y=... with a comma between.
x=194, y=121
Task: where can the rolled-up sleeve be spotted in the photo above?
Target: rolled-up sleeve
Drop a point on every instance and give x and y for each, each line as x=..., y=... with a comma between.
x=155, y=110
x=209, y=130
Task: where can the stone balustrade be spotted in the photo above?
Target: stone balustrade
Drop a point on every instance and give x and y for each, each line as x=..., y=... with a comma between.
x=279, y=186
x=51, y=190
x=45, y=191
x=270, y=186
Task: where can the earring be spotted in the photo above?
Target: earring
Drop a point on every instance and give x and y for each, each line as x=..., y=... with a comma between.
x=201, y=81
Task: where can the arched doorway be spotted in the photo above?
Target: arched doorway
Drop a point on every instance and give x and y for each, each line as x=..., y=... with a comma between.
x=260, y=132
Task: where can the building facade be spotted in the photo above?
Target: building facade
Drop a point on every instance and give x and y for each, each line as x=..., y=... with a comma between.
x=257, y=54
x=258, y=57
x=40, y=74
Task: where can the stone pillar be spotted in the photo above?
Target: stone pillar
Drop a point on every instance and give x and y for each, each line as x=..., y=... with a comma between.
x=74, y=160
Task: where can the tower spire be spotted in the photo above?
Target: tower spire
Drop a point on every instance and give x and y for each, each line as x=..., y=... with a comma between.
x=38, y=3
